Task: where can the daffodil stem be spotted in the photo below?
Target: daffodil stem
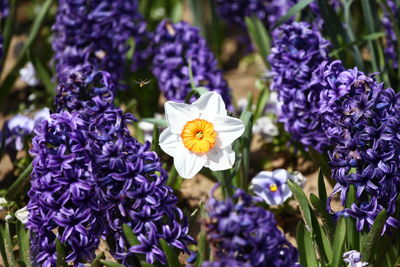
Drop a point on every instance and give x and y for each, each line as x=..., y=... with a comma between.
x=225, y=182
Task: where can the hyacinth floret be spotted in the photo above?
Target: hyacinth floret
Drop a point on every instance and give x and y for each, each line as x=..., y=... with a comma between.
x=235, y=11
x=297, y=51
x=361, y=121
x=242, y=233
x=96, y=33
x=90, y=176
x=178, y=46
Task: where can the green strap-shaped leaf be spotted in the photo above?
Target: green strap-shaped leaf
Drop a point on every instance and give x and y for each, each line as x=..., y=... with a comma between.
x=159, y=122
x=43, y=74
x=22, y=58
x=15, y=188
x=353, y=236
x=247, y=118
x=327, y=222
x=339, y=243
x=259, y=36
x=303, y=204
x=369, y=245
x=293, y=11
x=8, y=30
x=146, y=264
x=23, y=240
x=172, y=258
x=321, y=187
x=2, y=247
x=60, y=254
x=96, y=262
x=9, y=245
x=111, y=264
x=154, y=143
x=307, y=256
x=203, y=253
x=132, y=240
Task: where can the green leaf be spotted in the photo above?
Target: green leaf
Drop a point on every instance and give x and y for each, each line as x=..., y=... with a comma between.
x=172, y=258
x=3, y=247
x=9, y=245
x=369, y=244
x=203, y=253
x=327, y=222
x=245, y=139
x=111, y=264
x=60, y=254
x=303, y=204
x=15, y=188
x=259, y=36
x=321, y=241
x=96, y=261
x=145, y=264
x=43, y=74
x=261, y=100
x=322, y=162
x=22, y=58
x=23, y=240
x=130, y=236
x=353, y=238
x=293, y=11
x=339, y=242
x=321, y=187
x=176, y=11
x=154, y=143
x=159, y=122
x=8, y=30
x=305, y=246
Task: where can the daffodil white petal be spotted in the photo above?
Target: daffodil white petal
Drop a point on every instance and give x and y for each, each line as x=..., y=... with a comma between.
x=177, y=114
x=169, y=142
x=220, y=159
x=210, y=105
x=228, y=130
x=187, y=163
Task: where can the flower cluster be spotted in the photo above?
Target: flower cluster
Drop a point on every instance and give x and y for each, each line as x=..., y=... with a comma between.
x=235, y=11
x=243, y=233
x=362, y=120
x=391, y=39
x=95, y=33
x=90, y=176
x=177, y=46
x=297, y=51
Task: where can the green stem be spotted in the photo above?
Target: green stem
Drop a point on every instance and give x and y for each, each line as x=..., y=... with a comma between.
x=20, y=180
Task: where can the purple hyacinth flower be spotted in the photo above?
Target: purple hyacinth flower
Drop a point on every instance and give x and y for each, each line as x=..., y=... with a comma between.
x=176, y=46
x=297, y=51
x=235, y=11
x=243, y=234
x=95, y=34
x=271, y=186
x=17, y=129
x=90, y=177
x=391, y=39
x=361, y=119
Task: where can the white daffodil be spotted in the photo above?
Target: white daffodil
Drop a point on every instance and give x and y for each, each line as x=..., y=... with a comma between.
x=200, y=135
x=22, y=214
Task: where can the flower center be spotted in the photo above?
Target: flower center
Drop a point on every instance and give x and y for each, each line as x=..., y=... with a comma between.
x=198, y=136
x=273, y=187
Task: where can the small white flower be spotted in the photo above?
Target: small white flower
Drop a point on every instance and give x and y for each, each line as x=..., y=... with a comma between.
x=353, y=259
x=200, y=135
x=266, y=127
x=28, y=75
x=22, y=214
x=272, y=186
x=298, y=178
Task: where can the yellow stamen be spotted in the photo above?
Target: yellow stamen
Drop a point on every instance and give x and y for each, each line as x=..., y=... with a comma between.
x=198, y=136
x=273, y=187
